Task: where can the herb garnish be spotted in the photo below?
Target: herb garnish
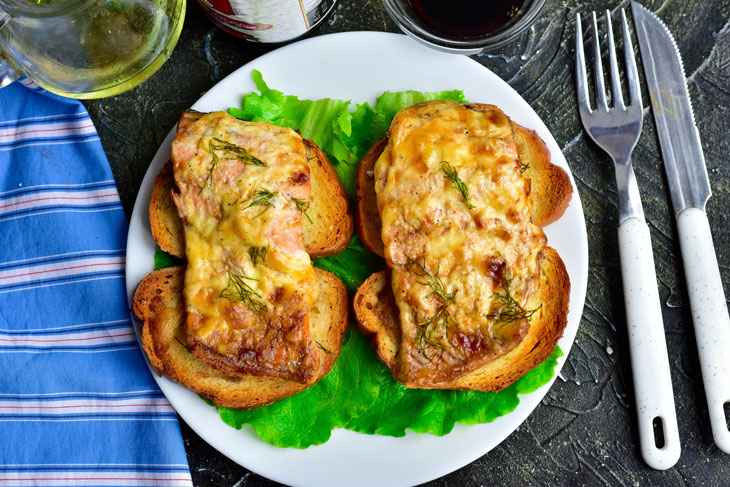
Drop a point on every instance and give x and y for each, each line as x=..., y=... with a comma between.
x=453, y=176
x=434, y=282
x=523, y=167
x=242, y=154
x=239, y=290
x=302, y=206
x=257, y=254
x=261, y=197
x=213, y=165
x=509, y=311
x=427, y=329
x=321, y=347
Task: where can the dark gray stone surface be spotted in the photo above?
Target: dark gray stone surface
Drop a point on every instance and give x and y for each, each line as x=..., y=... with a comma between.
x=585, y=432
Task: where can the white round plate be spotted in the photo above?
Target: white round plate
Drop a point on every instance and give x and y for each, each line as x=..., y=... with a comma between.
x=359, y=66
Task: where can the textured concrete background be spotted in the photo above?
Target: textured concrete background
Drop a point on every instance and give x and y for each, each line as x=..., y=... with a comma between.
x=585, y=432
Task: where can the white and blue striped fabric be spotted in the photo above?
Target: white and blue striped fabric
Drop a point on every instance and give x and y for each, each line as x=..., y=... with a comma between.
x=78, y=405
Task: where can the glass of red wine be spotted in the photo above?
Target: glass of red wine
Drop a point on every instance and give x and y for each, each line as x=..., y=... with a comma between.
x=464, y=26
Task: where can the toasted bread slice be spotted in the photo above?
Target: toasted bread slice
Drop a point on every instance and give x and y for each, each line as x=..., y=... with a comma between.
x=550, y=187
x=328, y=233
x=159, y=303
x=377, y=315
x=375, y=306
x=165, y=223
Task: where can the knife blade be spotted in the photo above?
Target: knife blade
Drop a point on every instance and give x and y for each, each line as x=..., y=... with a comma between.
x=689, y=188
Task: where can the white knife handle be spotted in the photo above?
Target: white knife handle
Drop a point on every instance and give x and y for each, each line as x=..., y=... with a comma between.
x=710, y=316
x=649, y=361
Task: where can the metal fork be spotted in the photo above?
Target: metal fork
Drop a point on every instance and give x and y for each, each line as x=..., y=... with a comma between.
x=616, y=130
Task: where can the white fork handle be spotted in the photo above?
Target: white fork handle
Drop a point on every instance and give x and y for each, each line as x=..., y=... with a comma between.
x=710, y=316
x=649, y=361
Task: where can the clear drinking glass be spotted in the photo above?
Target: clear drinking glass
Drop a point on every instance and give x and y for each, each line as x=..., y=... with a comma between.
x=87, y=48
x=413, y=24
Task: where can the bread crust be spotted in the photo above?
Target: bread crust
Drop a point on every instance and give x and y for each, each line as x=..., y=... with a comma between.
x=367, y=216
x=377, y=317
x=165, y=223
x=330, y=229
x=328, y=233
x=158, y=302
x=374, y=304
x=550, y=190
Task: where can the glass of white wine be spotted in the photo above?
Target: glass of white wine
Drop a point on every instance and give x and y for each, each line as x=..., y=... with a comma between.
x=87, y=48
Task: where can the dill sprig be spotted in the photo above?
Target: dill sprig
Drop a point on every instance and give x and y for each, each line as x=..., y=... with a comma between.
x=428, y=328
x=321, y=347
x=213, y=165
x=302, y=206
x=239, y=290
x=439, y=322
x=434, y=282
x=261, y=197
x=241, y=154
x=453, y=176
x=509, y=310
x=523, y=167
x=257, y=254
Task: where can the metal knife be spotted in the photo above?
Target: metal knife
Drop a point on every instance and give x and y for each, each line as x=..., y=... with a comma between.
x=689, y=187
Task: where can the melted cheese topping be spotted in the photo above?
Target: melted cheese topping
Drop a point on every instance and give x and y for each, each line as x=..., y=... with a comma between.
x=246, y=312
x=454, y=261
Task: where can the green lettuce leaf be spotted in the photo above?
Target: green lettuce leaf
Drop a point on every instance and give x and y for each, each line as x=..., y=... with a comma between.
x=164, y=260
x=360, y=393
x=352, y=266
x=309, y=417
x=343, y=135
x=390, y=103
x=424, y=411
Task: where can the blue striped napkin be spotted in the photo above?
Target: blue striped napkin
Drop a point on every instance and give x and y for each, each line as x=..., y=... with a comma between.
x=78, y=405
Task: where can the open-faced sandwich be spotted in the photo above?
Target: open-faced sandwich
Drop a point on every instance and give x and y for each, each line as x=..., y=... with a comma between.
x=247, y=320
x=454, y=198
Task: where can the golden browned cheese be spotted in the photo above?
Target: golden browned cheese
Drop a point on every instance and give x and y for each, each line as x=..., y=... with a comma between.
x=249, y=283
x=457, y=234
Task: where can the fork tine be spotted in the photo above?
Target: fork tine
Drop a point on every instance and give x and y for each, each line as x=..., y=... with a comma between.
x=580, y=67
x=632, y=75
x=598, y=71
x=618, y=99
